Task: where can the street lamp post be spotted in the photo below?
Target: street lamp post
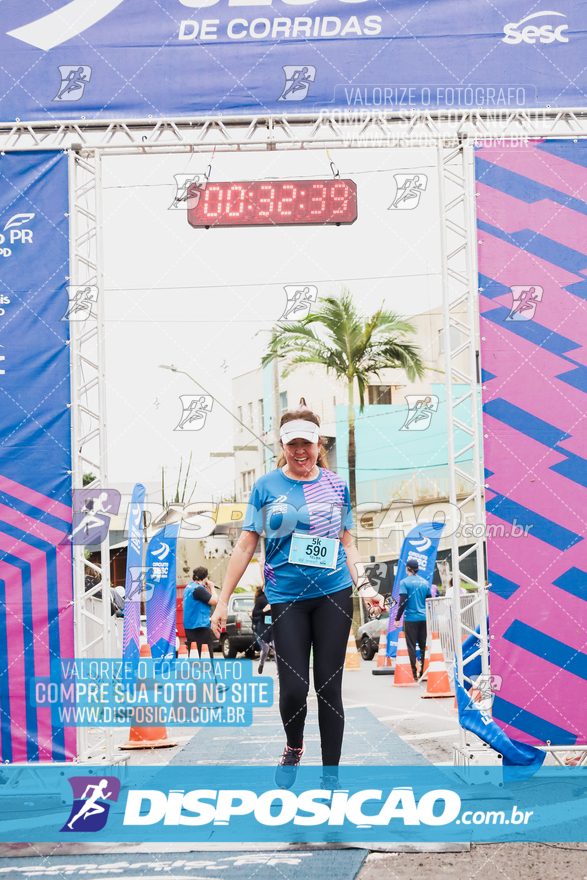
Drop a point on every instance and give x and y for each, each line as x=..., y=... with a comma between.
x=199, y=384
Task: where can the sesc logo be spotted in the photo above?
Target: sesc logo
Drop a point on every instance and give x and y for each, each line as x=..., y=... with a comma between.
x=546, y=33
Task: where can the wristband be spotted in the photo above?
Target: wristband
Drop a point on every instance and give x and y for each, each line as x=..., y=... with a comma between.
x=364, y=587
x=364, y=583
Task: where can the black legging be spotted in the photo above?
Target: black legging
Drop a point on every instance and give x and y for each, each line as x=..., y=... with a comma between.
x=415, y=633
x=202, y=635
x=324, y=624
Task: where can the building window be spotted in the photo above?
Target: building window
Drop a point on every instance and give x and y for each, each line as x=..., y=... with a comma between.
x=454, y=336
x=261, y=412
x=250, y=414
x=248, y=480
x=239, y=415
x=380, y=394
x=283, y=402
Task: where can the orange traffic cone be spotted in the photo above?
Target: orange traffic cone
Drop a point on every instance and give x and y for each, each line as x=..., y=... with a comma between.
x=438, y=684
x=351, y=661
x=147, y=737
x=384, y=663
x=183, y=650
x=424, y=676
x=205, y=654
x=404, y=677
x=382, y=658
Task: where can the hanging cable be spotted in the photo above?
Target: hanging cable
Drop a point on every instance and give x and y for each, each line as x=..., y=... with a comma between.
x=333, y=168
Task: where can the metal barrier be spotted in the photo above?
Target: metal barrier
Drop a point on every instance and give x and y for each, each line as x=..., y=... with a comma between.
x=439, y=620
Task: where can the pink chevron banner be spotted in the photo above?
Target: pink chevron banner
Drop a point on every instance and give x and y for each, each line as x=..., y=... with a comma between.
x=532, y=221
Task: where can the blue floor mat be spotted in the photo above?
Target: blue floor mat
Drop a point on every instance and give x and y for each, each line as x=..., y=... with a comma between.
x=279, y=865
x=366, y=741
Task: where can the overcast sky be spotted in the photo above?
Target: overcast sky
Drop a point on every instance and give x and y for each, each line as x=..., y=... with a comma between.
x=198, y=299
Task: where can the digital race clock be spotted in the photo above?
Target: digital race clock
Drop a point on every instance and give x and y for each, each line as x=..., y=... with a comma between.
x=272, y=203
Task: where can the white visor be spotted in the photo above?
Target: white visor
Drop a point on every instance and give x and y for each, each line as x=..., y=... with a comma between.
x=299, y=428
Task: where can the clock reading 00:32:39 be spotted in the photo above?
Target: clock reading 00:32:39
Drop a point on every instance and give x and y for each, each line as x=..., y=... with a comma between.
x=273, y=203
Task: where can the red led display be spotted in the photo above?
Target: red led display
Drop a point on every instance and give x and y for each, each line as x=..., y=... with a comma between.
x=273, y=203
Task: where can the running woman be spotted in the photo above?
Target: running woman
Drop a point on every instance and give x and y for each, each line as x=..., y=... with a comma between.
x=310, y=566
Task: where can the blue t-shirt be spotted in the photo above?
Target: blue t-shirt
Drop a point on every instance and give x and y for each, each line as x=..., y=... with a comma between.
x=278, y=507
x=417, y=590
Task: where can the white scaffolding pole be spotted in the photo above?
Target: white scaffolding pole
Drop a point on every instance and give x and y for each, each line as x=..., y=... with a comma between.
x=456, y=186
x=92, y=618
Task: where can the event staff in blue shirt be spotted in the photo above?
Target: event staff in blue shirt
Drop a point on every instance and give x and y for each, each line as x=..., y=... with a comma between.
x=197, y=599
x=311, y=563
x=413, y=592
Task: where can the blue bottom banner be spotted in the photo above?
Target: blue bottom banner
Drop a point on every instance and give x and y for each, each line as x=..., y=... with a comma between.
x=213, y=804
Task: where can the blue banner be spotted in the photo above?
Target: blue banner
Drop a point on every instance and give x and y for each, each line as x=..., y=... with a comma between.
x=238, y=804
x=420, y=544
x=520, y=760
x=161, y=592
x=112, y=59
x=134, y=576
x=36, y=610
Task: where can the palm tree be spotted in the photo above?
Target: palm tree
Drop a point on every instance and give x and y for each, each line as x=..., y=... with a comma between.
x=351, y=347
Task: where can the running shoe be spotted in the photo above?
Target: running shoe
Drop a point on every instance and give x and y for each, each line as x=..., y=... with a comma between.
x=286, y=770
x=260, y=667
x=330, y=783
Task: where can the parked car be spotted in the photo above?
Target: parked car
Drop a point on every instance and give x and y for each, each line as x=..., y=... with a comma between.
x=368, y=636
x=239, y=635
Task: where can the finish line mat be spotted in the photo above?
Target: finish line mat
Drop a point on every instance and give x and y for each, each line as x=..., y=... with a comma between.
x=328, y=865
x=366, y=741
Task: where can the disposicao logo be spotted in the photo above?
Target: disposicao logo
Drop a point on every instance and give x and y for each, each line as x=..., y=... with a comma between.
x=280, y=807
x=546, y=33
x=90, y=802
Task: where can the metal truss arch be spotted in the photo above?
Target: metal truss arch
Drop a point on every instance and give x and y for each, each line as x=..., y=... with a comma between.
x=345, y=127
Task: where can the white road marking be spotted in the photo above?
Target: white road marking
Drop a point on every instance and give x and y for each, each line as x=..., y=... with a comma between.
x=413, y=714
x=411, y=736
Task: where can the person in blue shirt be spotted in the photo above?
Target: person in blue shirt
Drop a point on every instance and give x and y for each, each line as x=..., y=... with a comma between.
x=197, y=599
x=311, y=563
x=413, y=592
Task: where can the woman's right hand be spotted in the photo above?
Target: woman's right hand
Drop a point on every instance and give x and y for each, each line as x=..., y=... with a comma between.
x=218, y=619
x=375, y=605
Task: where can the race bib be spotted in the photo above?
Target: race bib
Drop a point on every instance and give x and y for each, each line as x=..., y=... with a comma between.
x=312, y=550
